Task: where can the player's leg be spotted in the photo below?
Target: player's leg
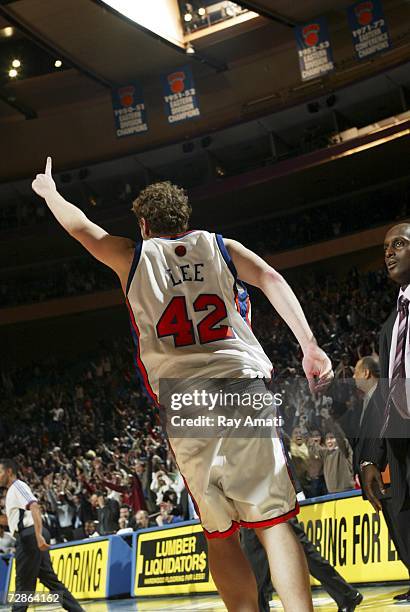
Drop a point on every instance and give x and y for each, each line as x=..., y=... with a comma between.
x=232, y=574
x=256, y=555
x=288, y=567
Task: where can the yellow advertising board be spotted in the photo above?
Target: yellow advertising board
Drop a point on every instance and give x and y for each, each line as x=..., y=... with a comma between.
x=354, y=539
x=83, y=568
x=172, y=561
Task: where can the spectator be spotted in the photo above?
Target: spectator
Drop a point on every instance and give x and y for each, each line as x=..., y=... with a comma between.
x=366, y=375
x=316, y=485
x=108, y=514
x=125, y=516
x=300, y=456
x=51, y=523
x=7, y=542
x=90, y=530
x=141, y=520
x=337, y=459
x=168, y=513
x=64, y=511
x=161, y=482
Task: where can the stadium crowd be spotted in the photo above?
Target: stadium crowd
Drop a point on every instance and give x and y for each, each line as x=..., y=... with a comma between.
x=91, y=447
x=318, y=223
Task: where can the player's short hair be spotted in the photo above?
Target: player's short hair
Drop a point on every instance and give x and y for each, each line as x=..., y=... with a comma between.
x=9, y=464
x=164, y=206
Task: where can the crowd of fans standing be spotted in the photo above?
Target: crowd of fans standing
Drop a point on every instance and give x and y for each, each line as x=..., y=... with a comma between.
x=89, y=443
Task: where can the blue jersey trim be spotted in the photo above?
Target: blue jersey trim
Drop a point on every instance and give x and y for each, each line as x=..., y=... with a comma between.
x=136, y=258
x=226, y=256
x=239, y=288
x=243, y=300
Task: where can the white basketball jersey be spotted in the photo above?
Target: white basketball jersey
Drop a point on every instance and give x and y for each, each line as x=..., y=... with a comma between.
x=190, y=314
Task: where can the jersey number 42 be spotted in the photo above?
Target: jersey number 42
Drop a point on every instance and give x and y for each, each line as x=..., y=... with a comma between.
x=176, y=322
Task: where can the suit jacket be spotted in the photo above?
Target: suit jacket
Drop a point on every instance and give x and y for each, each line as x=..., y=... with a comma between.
x=383, y=450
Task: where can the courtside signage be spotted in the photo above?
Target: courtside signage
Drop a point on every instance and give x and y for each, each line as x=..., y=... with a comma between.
x=172, y=561
x=83, y=568
x=354, y=539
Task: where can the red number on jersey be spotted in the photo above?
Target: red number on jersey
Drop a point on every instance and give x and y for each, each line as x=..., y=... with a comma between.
x=175, y=321
x=206, y=328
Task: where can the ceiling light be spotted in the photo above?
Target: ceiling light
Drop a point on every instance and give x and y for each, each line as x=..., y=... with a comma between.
x=58, y=63
x=201, y=11
x=187, y=17
x=230, y=10
x=189, y=49
x=16, y=63
x=7, y=32
x=13, y=73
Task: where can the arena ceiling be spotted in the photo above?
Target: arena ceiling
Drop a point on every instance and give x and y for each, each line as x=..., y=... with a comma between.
x=293, y=12
x=103, y=46
x=100, y=48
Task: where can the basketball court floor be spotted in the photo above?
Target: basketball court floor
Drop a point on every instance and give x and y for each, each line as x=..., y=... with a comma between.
x=376, y=599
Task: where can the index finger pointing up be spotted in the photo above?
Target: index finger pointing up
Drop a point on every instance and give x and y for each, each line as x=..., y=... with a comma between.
x=48, y=166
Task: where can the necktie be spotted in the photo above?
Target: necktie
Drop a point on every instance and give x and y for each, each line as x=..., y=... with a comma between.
x=399, y=368
x=397, y=394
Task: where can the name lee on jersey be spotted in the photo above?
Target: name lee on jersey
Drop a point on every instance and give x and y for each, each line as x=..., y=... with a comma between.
x=185, y=273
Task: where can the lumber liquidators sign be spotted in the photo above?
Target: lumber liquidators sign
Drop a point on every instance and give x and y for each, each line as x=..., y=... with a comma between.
x=83, y=568
x=354, y=539
x=314, y=49
x=172, y=561
x=180, y=97
x=369, y=28
x=129, y=110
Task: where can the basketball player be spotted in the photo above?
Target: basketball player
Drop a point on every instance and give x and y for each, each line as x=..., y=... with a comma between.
x=190, y=318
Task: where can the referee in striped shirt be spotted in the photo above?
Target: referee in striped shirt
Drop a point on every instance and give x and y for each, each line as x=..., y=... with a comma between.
x=32, y=557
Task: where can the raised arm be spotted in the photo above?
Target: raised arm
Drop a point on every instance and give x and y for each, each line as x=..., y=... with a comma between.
x=254, y=270
x=114, y=251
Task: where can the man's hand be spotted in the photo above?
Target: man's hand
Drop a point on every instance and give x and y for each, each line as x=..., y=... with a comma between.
x=43, y=184
x=3, y=520
x=372, y=481
x=317, y=368
x=42, y=544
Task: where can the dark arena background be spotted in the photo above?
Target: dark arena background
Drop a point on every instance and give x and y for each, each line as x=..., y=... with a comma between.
x=288, y=123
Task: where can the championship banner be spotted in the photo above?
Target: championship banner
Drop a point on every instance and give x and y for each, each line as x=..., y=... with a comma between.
x=180, y=95
x=354, y=539
x=369, y=29
x=129, y=110
x=171, y=561
x=314, y=49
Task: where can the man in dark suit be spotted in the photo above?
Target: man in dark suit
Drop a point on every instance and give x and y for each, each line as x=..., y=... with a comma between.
x=108, y=514
x=386, y=438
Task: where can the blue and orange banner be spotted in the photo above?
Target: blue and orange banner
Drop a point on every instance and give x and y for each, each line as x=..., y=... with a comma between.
x=369, y=29
x=129, y=110
x=314, y=49
x=181, y=102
